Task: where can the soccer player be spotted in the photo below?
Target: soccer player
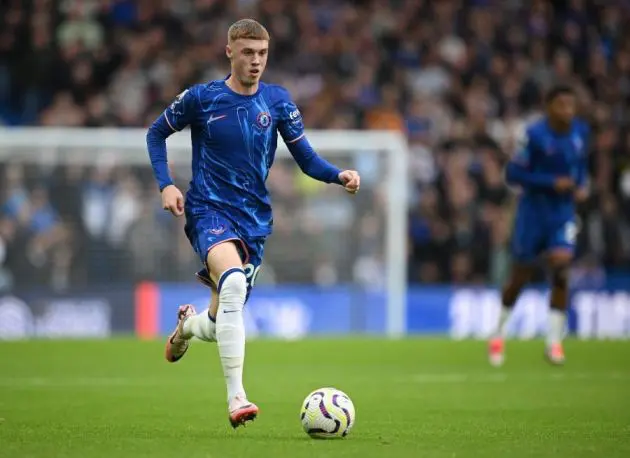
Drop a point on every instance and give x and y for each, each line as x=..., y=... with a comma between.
x=551, y=168
x=234, y=124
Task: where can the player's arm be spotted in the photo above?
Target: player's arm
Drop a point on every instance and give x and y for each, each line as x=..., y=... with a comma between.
x=519, y=170
x=175, y=118
x=311, y=163
x=581, y=191
x=291, y=128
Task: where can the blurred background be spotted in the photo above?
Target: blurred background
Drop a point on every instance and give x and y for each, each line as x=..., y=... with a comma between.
x=459, y=79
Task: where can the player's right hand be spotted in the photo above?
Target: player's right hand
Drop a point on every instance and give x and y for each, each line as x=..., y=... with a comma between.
x=173, y=200
x=564, y=184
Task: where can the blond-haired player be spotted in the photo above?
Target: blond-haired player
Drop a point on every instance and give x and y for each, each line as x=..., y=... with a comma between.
x=234, y=125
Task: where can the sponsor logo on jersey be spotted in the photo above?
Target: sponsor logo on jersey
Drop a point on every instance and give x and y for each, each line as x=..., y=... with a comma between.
x=178, y=100
x=295, y=116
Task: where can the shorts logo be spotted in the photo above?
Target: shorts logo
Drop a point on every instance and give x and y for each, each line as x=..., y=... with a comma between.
x=263, y=119
x=217, y=230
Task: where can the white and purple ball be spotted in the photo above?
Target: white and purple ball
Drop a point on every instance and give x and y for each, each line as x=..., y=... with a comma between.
x=327, y=413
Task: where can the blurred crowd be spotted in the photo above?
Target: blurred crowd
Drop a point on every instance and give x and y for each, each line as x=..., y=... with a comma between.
x=459, y=78
x=75, y=225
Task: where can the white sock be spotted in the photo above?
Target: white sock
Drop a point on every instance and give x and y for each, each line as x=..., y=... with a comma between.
x=230, y=329
x=201, y=327
x=555, y=333
x=504, y=316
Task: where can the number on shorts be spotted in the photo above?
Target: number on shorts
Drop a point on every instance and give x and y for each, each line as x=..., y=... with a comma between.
x=251, y=273
x=570, y=232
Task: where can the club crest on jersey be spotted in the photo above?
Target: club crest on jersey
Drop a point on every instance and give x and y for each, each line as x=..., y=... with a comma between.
x=263, y=119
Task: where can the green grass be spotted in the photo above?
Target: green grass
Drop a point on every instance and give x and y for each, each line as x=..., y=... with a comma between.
x=414, y=398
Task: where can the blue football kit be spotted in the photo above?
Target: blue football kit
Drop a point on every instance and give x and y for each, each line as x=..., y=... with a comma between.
x=234, y=139
x=545, y=218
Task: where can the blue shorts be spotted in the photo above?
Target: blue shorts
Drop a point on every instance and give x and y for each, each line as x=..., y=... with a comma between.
x=532, y=237
x=211, y=228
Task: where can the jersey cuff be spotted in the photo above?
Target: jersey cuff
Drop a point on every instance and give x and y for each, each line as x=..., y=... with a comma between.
x=164, y=185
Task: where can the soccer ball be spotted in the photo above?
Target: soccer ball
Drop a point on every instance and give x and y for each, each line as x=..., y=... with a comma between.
x=327, y=413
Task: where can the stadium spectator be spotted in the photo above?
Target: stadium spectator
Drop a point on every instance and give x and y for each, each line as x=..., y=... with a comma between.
x=459, y=78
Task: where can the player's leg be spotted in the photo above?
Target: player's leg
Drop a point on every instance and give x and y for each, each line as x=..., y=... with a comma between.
x=191, y=324
x=559, y=261
x=203, y=232
x=203, y=325
x=177, y=344
x=520, y=275
x=559, y=258
x=525, y=241
x=226, y=271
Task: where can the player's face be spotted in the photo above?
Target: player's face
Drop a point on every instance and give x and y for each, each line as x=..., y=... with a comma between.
x=562, y=108
x=249, y=59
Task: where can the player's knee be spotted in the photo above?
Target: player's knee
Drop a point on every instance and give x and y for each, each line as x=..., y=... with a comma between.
x=560, y=277
x=560, y=259
x=520, y=276
x=232, y=289
x=221, y=257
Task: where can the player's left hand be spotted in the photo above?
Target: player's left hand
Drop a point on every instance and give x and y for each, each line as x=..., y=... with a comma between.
x=580, y=195
x=351, y=180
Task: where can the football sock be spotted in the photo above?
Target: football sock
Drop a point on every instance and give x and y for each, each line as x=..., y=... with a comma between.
x=558, y=303
x=555, y=332
x=200, y=326
x=230, y=328
x=503, y=319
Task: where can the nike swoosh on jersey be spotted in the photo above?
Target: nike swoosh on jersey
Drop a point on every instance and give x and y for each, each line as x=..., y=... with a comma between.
x=213, y=118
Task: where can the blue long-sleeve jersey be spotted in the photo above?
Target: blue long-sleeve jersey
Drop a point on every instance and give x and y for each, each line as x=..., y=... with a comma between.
x=234, y=139
x=544, y=156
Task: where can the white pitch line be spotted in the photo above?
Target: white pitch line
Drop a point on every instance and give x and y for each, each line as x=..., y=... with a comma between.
x=503, y=377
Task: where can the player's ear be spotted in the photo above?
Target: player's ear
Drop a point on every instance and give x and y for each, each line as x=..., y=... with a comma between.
x=228, y=52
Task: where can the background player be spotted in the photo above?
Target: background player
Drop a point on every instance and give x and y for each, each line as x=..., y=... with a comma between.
x=234, y=124
x=550, y=167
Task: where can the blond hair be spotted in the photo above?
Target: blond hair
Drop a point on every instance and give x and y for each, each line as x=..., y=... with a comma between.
x=247, y=29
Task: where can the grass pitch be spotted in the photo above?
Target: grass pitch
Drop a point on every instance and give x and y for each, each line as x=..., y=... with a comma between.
x=414, y=398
